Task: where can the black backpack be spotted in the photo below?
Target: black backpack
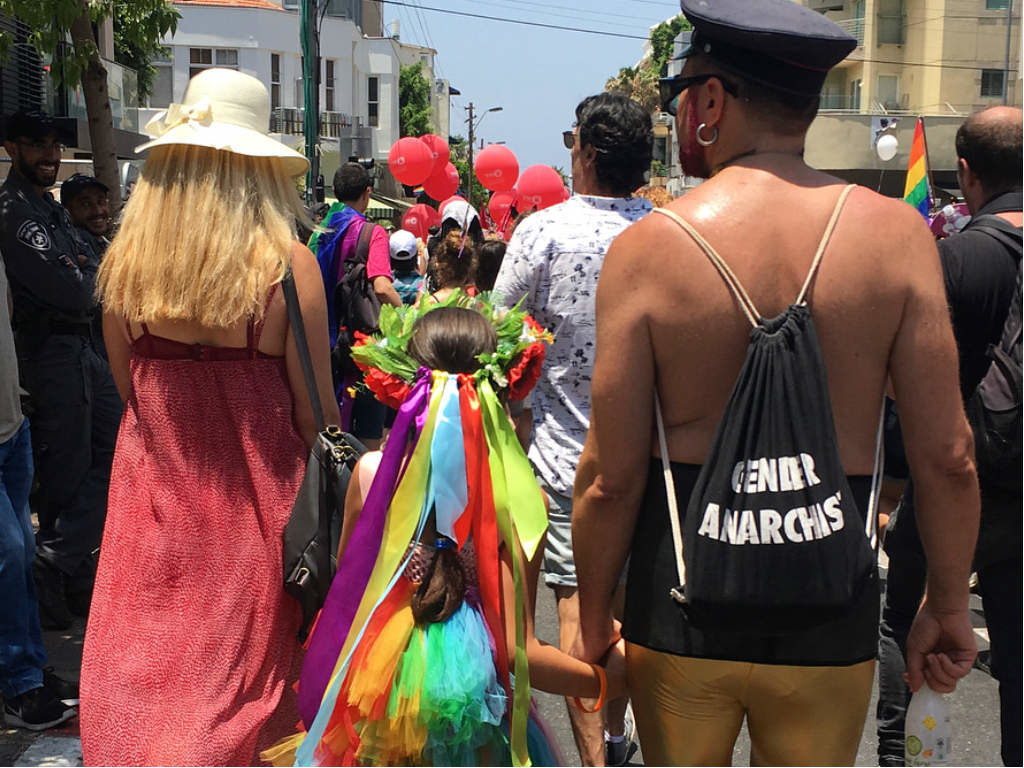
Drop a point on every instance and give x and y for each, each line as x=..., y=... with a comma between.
x=356, y=306
x=772, y=540
x=994, y=408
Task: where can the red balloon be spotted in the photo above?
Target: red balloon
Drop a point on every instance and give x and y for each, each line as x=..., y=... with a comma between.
x=438, y=150
x=540, y=186
x=419, y=219
x=442, y=182
x=499, y=206
x=410, y=161
x=566, y=194
x=496, y=168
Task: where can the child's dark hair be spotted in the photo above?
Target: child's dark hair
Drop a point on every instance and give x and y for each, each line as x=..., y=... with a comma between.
x=488, y=262
x=447, y=339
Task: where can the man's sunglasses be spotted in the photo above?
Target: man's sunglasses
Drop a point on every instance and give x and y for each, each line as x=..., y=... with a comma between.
x=669, y=89
x=568, y=139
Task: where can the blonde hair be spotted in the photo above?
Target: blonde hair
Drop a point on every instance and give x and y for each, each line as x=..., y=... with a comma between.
x=205, y=235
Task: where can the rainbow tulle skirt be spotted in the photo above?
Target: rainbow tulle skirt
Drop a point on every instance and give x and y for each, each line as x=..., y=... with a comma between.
x=422, y=694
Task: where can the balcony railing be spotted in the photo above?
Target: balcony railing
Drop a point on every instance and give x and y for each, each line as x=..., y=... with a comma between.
x=289, y=120
x=854, y=28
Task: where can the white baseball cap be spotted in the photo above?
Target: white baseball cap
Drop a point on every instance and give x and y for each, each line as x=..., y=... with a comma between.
x=403, y=241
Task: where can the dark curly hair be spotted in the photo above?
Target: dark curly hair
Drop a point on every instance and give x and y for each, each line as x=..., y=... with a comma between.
x=621, y=132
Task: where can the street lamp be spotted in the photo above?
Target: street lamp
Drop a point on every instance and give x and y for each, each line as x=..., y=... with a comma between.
x=473, y=125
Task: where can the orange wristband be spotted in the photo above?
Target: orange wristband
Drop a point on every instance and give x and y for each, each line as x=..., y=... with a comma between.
x=603, y=678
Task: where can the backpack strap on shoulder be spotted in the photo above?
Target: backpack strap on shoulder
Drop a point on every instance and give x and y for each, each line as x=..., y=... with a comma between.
x=825, y=238
x=745, y=302
x=363, y=245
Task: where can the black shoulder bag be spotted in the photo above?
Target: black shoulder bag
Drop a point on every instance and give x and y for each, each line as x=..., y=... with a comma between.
x=314, y=527
x=772, y=540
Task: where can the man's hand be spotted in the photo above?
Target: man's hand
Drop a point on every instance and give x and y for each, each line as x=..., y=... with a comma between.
x=595, y=638
x=940, y=648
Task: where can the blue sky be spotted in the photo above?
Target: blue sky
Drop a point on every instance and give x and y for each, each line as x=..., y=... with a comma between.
x=536, y=75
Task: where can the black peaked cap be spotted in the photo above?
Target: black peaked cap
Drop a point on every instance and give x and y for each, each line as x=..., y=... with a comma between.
x=777, y=43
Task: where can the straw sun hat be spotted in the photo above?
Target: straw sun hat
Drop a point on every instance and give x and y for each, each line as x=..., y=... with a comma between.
x=227, y=110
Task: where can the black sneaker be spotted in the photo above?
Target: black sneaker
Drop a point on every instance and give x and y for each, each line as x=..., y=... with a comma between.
x=50, y=594
x=65, y=690
x=36, y=710
x=620, y=752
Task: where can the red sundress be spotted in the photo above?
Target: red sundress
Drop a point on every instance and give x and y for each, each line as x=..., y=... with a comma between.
x=191, y=650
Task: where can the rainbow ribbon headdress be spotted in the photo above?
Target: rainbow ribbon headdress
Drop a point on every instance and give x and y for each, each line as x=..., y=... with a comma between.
x=485, y=492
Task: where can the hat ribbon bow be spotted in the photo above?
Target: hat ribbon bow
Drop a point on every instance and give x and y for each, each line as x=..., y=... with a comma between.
x=198, y=114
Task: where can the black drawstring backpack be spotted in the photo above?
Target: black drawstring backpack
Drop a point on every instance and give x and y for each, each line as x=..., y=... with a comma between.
x=774, y=541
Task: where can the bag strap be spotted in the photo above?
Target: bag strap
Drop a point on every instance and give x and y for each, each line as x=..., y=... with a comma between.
x=291, y=300
x=745, y=302
x=870, y=523
x=363, y=245
x=727, y=274
x=825, y=238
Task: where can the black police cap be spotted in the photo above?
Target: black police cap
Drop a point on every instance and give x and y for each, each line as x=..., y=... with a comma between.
x=776, y=43
x=73, y=186
x=36, y=124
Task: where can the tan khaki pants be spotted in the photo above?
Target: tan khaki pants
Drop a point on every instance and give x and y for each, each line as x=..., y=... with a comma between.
x=689, y=711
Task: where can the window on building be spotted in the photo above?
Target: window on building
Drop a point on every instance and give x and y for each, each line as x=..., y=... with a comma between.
x=329, y=85
x=890, y=22
x=204, y=58
x=372, y=100
x=888, y=91
x=854, y=102
x=992, y=82
x=341, y=8
x=290, y=4
x=275, y=80
x=995, y=5
x=163, y=81
x=300, y=84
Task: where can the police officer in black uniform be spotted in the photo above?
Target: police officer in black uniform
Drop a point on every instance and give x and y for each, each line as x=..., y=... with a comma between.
x=75, y=405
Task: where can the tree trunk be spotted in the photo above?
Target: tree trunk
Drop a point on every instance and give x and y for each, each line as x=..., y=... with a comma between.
x=97, y=107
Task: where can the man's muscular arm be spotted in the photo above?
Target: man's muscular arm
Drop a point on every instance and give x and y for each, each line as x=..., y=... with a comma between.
x=940, y=451
x=613, y=468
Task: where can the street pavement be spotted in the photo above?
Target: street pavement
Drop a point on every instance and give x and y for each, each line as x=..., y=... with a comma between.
x=974, y=708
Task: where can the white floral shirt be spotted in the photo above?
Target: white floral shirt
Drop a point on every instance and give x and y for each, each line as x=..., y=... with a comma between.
x=554, y=260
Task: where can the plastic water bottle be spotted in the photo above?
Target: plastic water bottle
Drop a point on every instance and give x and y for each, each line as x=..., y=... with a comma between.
x=929, y=734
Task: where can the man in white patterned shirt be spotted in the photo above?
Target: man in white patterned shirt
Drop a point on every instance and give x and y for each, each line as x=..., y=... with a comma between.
x=554, y=260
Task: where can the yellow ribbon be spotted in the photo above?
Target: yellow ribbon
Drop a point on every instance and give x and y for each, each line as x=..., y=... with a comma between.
x=200, y=113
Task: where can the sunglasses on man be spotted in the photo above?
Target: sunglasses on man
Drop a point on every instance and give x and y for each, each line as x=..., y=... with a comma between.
x=568, y=139
x=670, y=88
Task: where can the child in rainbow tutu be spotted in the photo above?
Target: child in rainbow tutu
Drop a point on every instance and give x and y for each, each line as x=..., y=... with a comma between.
x=424, y=652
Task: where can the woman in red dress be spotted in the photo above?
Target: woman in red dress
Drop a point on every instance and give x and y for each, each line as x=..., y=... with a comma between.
x=191, y=650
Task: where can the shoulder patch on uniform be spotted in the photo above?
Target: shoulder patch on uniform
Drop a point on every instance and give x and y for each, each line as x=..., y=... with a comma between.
x=34, y=235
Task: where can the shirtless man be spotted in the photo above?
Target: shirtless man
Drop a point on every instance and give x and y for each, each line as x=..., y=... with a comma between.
x=743, y=103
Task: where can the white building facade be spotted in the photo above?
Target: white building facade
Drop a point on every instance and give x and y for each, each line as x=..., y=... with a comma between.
x=359, y=73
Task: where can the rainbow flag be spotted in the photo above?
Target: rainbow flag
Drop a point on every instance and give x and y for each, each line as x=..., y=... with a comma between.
x=916, y=191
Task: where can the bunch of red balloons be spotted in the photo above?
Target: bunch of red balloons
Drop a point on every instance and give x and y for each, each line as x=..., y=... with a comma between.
x=427, y=160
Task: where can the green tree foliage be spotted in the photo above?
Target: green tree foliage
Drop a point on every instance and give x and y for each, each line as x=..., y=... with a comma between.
x=641, y=83
x=662, y=38
x=413, y=101
x=137, y=41
x=141, y=23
